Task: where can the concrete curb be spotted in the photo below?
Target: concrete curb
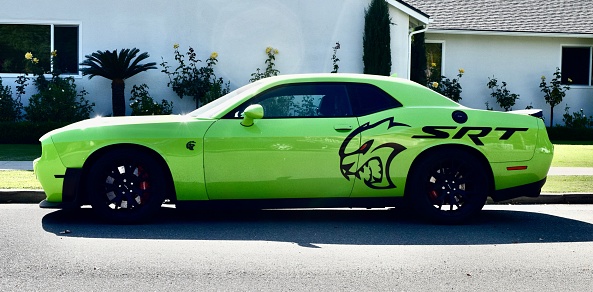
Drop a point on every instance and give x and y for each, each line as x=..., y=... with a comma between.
x=24, y=196
x=21, y=196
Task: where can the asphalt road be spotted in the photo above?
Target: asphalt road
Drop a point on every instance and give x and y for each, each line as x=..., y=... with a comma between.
x=509, y=247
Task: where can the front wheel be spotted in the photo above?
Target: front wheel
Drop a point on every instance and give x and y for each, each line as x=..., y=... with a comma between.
x=126, y=186
x=449, y=186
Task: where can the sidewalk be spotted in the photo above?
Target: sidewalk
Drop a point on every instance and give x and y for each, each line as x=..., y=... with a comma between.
x=35, y=196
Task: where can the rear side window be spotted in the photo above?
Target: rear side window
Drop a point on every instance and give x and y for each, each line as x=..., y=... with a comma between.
x=367, y=99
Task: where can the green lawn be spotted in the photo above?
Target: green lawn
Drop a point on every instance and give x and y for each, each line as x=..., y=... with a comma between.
x=568, y=184
x=573, y=155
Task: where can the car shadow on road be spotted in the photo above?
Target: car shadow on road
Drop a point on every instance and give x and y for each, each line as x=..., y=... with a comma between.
x=327, y=226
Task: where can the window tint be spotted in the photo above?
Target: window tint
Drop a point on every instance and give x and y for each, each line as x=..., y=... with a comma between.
x=367, y=99
x=301, y=100
x=40, y=40
x=576, y=65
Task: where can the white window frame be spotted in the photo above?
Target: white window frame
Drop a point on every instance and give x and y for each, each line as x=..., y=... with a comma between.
x=52, y=25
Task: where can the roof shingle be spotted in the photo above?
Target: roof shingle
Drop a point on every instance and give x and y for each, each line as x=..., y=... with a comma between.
x=533, y=16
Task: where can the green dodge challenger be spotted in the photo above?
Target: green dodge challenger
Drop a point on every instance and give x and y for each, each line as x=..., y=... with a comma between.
x=299, y=141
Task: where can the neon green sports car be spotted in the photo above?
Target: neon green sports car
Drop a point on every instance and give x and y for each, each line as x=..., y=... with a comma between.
x=314, y=140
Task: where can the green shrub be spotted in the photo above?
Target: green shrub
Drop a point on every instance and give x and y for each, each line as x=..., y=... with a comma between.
x=270, y=66
x=450, y=88
x=503, y=96
x=10, y=109
x=58, y=101
x=577, y=119
x=142, y=104
x=188, y=79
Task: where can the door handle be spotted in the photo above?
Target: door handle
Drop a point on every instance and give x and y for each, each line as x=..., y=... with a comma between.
x=343, y=128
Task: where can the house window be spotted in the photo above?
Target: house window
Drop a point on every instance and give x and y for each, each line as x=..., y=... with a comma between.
x=576, y=65
x=39, y=39
x=434, y=56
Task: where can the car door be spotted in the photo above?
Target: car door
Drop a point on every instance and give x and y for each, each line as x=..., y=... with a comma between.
x=292, y=152
x=382, y=135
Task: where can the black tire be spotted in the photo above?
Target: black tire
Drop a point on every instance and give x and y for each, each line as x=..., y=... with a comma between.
x=126, y=186
x=449, y=186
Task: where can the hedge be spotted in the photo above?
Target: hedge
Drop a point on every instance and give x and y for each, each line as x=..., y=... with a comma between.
x=26, y=132
x=559, y=133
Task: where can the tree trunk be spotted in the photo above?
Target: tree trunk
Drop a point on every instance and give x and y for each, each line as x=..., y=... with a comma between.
x=118, y=100
x=551, y=116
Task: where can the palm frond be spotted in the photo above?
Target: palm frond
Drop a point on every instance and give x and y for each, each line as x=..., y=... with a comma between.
x=111, y=65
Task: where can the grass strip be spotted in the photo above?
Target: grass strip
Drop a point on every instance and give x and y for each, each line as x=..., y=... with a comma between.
x=18, y=179
x=573, y=156
x=569, y=184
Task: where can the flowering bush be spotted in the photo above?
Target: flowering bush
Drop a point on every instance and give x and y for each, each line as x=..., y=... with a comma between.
x=450, y=88
x=270, y=70
x=554, y=92
x=503, y=96
x=188, y=79
x=10, y=109
x=577, y=119
x=142, y=104
x=57, y=99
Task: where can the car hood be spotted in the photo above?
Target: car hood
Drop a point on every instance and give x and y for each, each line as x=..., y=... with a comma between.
x=104, y=123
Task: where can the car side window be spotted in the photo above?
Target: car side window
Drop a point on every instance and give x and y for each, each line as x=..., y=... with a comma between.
x=368, y=99
x=306, y=100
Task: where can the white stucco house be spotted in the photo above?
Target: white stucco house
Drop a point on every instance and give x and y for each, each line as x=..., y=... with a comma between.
x=514, y=41
x=517, y=42
x=303, y=31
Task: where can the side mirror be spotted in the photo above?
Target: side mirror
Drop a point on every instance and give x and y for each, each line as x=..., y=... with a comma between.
x=254, y=111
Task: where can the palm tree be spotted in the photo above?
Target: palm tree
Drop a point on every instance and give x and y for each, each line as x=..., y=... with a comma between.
x=117, y=68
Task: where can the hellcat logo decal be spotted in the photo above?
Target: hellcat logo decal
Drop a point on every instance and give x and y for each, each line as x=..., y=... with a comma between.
x=374, y=162
x=190, y=145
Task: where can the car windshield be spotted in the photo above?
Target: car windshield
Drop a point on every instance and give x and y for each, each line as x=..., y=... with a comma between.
x=214, y=107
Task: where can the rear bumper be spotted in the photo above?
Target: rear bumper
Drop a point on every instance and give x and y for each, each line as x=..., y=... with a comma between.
x=528, y=190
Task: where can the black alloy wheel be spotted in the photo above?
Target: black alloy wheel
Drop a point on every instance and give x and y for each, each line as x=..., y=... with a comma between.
x=449, y=186
x=126, y=186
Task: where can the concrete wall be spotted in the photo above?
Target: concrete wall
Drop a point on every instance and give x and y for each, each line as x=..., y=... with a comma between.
x=304, y=32
x=518, y=60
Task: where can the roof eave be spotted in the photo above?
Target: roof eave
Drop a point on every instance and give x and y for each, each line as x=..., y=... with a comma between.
x=509, y=33
x=410, y=10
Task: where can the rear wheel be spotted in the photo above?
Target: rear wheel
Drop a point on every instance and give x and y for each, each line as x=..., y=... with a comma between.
x=126, y=186
x=449, y=186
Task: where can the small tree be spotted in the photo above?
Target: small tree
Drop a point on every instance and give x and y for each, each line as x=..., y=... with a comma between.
x=116, y=67
x=555, y=92
x=503, y=96
x=376, y=40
